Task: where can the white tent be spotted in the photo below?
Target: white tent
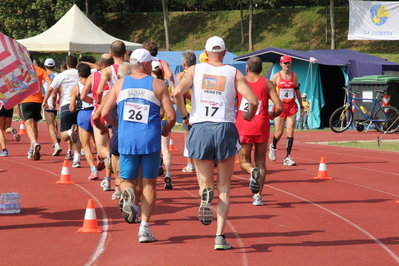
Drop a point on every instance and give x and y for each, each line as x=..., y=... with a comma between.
x=74, y=32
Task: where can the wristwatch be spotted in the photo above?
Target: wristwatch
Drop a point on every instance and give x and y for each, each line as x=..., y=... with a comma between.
x=185, y=117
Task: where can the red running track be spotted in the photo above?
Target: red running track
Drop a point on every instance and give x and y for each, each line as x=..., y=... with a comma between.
x=349, y=220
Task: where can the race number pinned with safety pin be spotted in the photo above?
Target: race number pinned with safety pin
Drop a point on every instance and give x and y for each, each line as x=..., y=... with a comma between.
x=136, y=112
x=211, y=109
x=244, y=106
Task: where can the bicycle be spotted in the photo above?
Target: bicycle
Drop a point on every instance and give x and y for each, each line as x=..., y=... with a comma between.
x=384, y=118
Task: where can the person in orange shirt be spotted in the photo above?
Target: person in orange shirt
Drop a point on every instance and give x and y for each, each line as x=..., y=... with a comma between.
x=31, y=112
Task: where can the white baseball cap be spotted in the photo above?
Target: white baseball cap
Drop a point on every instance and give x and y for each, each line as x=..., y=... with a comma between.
x=213, y=42
x=303, y=95
x=155, y=64
x=49, y=62
x=140, y=56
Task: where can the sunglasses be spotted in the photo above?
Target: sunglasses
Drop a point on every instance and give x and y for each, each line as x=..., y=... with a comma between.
x=287, y=63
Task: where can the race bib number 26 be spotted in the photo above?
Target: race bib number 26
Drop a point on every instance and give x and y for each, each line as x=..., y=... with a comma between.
x=136, y=112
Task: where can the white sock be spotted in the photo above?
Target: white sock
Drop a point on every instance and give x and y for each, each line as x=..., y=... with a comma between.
x=144, y=224
x=76, y=157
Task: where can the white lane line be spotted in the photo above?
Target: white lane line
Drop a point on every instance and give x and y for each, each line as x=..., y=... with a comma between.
x=390, y=252
x=101, y=244
x=244, y=257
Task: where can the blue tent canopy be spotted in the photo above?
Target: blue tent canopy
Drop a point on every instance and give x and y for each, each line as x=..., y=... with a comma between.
x=323, y=79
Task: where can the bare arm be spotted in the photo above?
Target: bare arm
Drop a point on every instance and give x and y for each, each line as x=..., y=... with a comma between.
x=97, y=116
x=279, y=107
x=85, y=92
x=48, y=94
x=246, y=92
x=74, y=95
x=168, y=74
x=167, y=106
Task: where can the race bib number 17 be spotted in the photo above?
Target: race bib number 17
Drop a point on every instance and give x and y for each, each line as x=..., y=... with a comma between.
x=136, y=112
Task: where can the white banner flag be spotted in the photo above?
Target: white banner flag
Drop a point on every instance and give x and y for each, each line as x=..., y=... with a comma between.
x=373, y=20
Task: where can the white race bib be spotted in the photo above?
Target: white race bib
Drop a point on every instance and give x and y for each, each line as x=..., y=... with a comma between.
x=211, y=109
x=136, y=112
x=286, y=94
x=244, y=106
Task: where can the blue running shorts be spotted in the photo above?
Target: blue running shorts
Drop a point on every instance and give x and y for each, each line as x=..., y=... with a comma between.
x=84, y=119
x=130, y=165
x=210, y=141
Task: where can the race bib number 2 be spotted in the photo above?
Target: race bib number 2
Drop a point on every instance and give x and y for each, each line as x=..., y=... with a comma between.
x=136, y=112
x=244, y=106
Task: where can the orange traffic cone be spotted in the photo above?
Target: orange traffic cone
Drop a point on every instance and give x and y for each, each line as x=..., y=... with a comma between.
x=171, y=146
x=90, y=221
x=237, y=160
x=65, y=176
x=22, y=128
x=322, y=170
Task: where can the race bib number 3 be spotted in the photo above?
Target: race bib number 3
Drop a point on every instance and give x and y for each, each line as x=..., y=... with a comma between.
x=136, y=112
x=244, y=106
x=211, y=109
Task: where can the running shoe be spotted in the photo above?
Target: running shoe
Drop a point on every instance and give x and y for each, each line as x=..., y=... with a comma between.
x=272, y=153
x=93, y=175
x=188, y=169
x=36, y=151
x=117, y=194
x=56, y=150
x=136, y=210
x=106, y=185
x=145, y=235
x=168, y=181
x=68, y=155
x=30, y=154
x=257, y=200
x=126, y=205
x=74, y=133
x=76, y=164
x=4, y=153
x=15, y=134
x=221, y=243
x=82, y=152
x=254, y=184
x=289, y=161
x=100, y=163
x=205, y=213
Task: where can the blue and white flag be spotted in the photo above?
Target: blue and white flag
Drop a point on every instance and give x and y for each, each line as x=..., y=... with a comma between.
x=369, y=20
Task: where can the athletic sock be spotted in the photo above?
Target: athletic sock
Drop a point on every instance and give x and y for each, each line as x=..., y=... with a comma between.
x=76, y=157
x=288, y=148
x=108, y=178
x=275, y=141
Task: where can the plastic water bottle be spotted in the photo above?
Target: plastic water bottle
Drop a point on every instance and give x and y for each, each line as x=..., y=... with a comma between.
x=17, y=203
x=6, y=203
x=2, y=203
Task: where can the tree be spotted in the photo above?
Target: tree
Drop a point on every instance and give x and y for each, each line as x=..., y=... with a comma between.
x=332, y=22
x=242, y=23
x=166, y=23
x=251, y=12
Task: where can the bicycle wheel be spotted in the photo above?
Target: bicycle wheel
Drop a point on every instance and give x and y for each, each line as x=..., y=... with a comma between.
x=391, y=125
x=341, y=119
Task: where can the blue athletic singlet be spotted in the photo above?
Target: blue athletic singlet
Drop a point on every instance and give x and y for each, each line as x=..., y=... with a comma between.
x=139, y=122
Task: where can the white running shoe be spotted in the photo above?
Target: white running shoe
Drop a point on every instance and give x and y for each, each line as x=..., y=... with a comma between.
x=126, y=206
x=221, y=243
x=272, y=153
x=257, y=200
x=117, y=194
x=205, y=213
x=145, y=235
x=106, y=185
x=76, y=164
x=289, y=161
x=188, y=169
